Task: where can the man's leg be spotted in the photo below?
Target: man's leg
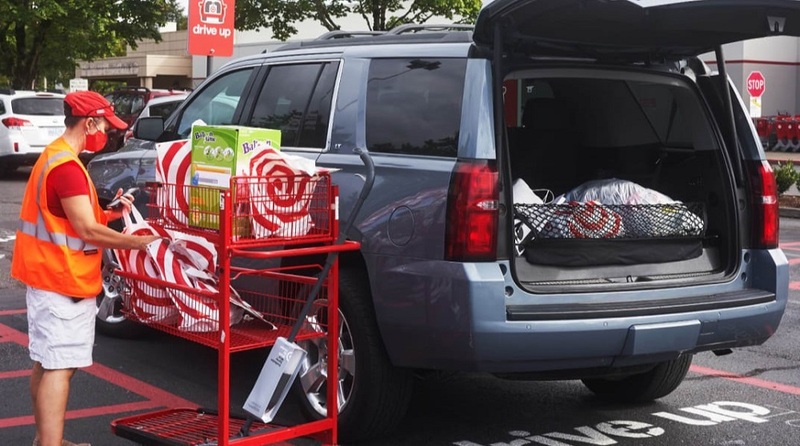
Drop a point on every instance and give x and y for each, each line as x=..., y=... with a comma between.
x=50, y=392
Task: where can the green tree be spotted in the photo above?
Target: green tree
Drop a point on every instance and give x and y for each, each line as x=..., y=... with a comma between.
x=785, y=176
x=48, y=37
x=380, y=15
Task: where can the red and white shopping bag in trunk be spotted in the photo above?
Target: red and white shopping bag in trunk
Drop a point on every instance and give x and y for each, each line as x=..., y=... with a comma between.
x=173, y=167
x=280, y=197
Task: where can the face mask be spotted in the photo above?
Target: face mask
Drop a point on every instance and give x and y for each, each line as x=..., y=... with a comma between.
x=95, y=141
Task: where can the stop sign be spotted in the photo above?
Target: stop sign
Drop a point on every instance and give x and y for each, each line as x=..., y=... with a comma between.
x=756, y=84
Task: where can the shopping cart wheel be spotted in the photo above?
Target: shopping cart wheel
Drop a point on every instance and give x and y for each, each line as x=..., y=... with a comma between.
x=373, y=395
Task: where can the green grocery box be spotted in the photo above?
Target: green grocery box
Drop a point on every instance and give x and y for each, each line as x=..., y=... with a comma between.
x=219, y=152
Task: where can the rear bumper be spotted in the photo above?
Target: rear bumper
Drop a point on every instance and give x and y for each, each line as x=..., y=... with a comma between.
x=443, y=315
x=20, y=159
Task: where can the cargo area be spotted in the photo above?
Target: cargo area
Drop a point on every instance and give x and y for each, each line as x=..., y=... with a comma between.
x=618, y=177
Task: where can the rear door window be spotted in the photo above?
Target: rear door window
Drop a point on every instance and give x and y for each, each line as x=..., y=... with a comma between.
x=137, y=104
x=122, y=104
x=38, y=106
x=296, y=99
x=414, y=106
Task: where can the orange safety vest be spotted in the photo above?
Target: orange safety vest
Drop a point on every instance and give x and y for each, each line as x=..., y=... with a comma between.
x=48, y=253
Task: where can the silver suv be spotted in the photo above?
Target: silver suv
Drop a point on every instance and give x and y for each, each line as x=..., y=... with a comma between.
x=563, y=94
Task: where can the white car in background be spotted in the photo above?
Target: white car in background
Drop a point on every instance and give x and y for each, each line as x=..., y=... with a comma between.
x=158, y=106
x=29, y=121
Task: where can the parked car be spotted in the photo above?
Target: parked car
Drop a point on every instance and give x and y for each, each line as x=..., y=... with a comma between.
x=29, y=121
x=159, y=106
x=613, y=90
x=128, y=103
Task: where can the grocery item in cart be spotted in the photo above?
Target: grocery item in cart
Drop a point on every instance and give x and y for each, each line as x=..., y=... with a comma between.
x=218, y=153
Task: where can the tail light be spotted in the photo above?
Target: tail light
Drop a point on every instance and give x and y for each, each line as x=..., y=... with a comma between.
x=16, y=123
x=764, y=200
x=472, y=212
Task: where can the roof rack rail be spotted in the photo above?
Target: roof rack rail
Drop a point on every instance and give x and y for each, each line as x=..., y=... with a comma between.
x=414, y=27
x=132, y=87
x=403, y=34
x=341, y=34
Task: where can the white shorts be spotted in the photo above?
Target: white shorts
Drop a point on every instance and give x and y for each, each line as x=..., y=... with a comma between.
x=60, y=331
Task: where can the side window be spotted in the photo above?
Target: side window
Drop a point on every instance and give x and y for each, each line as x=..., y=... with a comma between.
x=286, y=98
x=137, y=104
x=414, y=106
x=122, y=104
x=164, y=109
x=216, y=103
x=2, y=108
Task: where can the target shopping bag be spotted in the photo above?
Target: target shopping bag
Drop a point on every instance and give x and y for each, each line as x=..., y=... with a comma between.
x=280, y=194
x=148, y=303
x=173, y=167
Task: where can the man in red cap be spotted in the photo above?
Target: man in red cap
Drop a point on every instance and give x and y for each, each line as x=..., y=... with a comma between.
x=57, y=254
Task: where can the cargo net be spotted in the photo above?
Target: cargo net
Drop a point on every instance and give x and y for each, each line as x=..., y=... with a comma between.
x=591, y=220
x=263, y=305
x=283, y=208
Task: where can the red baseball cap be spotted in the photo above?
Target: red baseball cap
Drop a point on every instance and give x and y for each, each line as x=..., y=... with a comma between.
x=90, y=104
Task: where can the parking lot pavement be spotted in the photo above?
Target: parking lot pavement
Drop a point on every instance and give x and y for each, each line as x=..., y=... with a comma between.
x=97, y=391
x=776, y=157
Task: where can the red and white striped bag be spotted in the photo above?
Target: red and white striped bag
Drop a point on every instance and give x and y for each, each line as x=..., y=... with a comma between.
x=198, y=313
x=173, y=167
x=149, y=303
x=280, y=198
x=183, y=259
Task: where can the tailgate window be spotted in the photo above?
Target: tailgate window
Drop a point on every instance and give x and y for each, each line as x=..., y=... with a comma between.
x=414, y=106
x=38, y=106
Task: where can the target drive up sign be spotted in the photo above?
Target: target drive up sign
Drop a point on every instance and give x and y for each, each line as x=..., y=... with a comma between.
x=211, y=27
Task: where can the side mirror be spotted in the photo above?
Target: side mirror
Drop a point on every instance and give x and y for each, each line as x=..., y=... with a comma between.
x=149, y=128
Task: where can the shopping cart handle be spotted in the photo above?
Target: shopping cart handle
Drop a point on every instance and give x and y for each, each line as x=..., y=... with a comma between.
x=362, y=197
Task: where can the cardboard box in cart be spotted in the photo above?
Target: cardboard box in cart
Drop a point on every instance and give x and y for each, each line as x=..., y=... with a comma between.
x=219, y=152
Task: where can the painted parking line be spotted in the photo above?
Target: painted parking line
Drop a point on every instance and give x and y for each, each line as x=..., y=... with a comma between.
x=154, y=396
x=12, y=312
x=750, y=381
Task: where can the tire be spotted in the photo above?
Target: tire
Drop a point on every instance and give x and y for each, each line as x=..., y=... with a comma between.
x=374, y=395
x=656, y=383
x=110, y=321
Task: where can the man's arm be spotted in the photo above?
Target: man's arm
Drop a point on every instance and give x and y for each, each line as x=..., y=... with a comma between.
x=81, y=216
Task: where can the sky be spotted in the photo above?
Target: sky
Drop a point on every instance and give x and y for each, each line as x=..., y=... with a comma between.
x=184, y=3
